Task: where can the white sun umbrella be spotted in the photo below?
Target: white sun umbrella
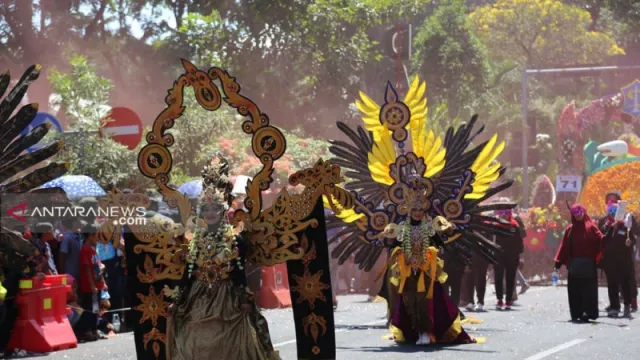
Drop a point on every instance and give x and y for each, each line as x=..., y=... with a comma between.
x=240, y=185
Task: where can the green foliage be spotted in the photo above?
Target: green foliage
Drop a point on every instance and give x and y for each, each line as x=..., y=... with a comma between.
x=84, y=96
x=196, y=134
x=450, y=57
x=440, y=119
x=539, y=33
x=304, y=61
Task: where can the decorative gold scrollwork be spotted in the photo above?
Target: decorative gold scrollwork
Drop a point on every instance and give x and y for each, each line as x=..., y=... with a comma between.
x=271, y=232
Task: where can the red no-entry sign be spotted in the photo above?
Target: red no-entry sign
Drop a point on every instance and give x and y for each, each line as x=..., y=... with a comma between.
x=124, y=126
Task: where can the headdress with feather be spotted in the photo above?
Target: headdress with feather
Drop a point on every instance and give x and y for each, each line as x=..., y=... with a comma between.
x=397, y=164
x=216, y=184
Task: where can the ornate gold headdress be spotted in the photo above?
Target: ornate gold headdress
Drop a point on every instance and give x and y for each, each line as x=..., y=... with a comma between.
x=216, y=184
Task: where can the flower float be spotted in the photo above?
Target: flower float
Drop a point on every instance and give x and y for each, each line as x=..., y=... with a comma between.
x=622, y=176
x=574, y=124
x=545, y=227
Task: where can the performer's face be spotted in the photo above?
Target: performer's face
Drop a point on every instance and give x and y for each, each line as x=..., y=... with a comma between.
x=417, y=214
x=212, y=214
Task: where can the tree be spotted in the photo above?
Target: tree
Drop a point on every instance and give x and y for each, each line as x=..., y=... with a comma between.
x=450, y=57
x=198, y=134
x=46, y=31
x=84, y=96
x=539, y=33
x=628, y=13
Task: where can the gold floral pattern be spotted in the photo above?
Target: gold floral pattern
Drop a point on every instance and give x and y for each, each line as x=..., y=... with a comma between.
x=310, y=287
x=313, y=323
x=153, y=306
x=157, y=337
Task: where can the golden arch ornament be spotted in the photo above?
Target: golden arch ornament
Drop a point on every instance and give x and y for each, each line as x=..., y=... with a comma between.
x=276, y=234
x=268, y=143
x=271, y=231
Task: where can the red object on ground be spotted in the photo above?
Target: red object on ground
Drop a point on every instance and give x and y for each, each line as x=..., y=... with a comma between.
x=42, y=325
x=124, y=125
x=535, y=239
x=274, y=288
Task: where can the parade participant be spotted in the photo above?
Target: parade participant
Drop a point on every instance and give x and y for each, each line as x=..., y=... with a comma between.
x=580, y=251
x=614, y=197
x=505, y=270
x=420, y=197
x=455, y=270
x=477, y=283
x=215, y=315
x=524, y=285
x=617, y=259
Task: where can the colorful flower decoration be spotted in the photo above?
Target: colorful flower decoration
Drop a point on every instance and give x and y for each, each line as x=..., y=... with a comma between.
x=621, y=177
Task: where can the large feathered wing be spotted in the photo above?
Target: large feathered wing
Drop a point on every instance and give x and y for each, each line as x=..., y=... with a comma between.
x=353, y=159
x=21, y=172
x=463, y=178
x=473, y=224
x=486, y=168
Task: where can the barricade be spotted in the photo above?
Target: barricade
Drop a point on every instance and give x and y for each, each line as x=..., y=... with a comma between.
x=42, y=324
x=274, y=288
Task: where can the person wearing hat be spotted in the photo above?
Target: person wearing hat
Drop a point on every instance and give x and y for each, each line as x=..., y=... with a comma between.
x=42, y=234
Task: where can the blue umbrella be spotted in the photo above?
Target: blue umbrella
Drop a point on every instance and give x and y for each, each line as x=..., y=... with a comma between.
x=192, y=188
x=77, y=186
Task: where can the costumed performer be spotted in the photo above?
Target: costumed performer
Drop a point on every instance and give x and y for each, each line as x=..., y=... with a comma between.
x=420, y=196
x=422, y=312
x=214, y=315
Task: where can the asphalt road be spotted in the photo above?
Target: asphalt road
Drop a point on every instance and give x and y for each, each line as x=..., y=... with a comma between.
x=538, y=328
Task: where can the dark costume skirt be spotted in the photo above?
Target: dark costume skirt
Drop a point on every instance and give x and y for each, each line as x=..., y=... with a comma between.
x=209, y=324
x=583, y=297
x=413, y=314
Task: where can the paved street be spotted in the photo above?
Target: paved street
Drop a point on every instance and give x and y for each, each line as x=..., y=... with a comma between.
x=536, y=329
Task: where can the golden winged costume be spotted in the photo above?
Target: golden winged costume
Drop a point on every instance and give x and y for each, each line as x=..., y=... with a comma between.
x=417, y=197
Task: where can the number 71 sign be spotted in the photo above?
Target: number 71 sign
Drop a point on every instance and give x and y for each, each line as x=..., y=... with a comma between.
x=568, y=183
